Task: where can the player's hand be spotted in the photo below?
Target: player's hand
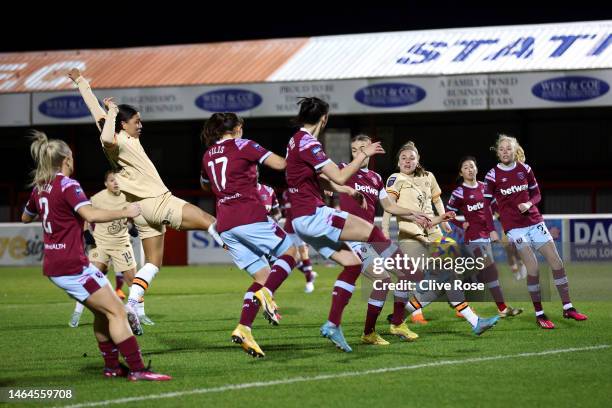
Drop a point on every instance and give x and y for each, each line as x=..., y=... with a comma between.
x=494, y=236
x=423, y=222
x=74, y=74
x=133, y=210
x=524, y=206
x=449, y=215
x=446, y=227
x=466, y=225
x=374, y=148
x=110, y=104
x=360, y=198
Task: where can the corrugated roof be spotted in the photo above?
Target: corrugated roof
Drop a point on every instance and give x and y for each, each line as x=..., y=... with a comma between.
x=547, y=47
x=219, y=63
x=439, y=52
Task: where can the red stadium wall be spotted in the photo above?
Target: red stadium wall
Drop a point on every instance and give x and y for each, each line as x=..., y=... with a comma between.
x=175, y=247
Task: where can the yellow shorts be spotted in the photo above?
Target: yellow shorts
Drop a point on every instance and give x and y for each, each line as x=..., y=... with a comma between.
x=414, y=248
x=122, y=256
x=157, y=212
x=412, y=232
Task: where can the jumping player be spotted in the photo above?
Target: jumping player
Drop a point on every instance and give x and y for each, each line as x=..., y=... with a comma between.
x=140, y=182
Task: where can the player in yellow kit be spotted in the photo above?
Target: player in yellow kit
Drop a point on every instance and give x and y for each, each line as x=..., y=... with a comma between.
x=139, y=180
x=417, y=189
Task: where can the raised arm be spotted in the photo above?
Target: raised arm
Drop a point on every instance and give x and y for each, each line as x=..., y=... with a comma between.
x=341, y=176
x=108, y=131
x=88, y=96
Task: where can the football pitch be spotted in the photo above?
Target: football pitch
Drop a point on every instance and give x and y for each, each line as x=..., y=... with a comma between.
x=196, y=308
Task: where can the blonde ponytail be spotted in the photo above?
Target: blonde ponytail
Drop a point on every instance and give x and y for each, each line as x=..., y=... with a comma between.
x=520, y=154
x=48, y=154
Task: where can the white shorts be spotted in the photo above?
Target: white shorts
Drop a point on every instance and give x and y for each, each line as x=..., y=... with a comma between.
x=297, y=241
x=248, y=244
x=365, y=252
x=480, y=248
x=322, y=229
x=535, y=235
x=81, y=286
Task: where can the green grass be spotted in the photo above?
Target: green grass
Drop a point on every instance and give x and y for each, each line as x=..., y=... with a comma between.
x=196, y=308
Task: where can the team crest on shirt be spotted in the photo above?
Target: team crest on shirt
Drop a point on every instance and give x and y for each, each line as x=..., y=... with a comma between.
x=318, y=153
x=472, y=196
x=504, y=180
x=521, y=175
x=391, y=181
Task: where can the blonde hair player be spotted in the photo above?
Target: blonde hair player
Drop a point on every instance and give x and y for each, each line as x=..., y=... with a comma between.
x=513, y=185
x=140, y=182
x=514, y=260
x=415, y=188
x=62, y=206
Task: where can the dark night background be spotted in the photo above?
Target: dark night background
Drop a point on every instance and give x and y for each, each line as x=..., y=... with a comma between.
x=576, y=175
x=123, y=24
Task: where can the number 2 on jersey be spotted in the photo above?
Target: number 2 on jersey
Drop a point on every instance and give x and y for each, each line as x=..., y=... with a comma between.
x=223, y=162
x=44, y=204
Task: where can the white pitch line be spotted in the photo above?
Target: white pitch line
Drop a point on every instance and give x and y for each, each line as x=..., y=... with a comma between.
x=293, y=380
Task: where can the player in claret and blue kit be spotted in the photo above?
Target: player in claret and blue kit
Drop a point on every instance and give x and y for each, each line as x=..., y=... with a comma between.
x=62, y=207
x=479, y=231
x=229, y=168
x=513, y=185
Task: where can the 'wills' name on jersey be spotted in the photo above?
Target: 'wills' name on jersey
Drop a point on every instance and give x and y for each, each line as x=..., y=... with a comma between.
x=513, y=189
